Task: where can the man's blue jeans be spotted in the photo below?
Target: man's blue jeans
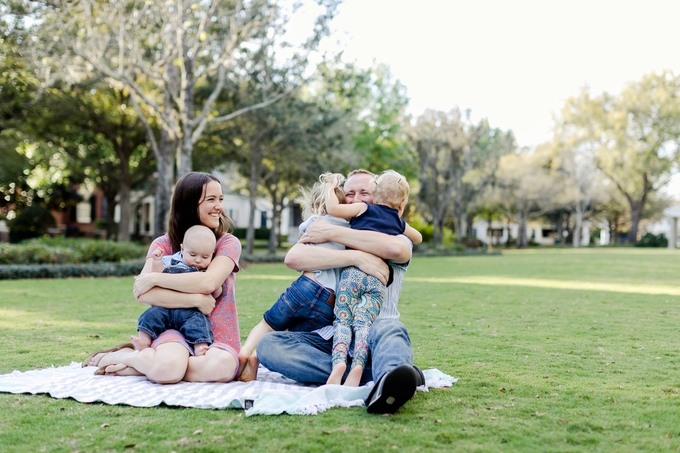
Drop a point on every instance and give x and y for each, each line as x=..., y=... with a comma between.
x=306, y=357
x=302, y=307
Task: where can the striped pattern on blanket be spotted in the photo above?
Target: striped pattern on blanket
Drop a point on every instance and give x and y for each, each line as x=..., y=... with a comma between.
x=270, y=394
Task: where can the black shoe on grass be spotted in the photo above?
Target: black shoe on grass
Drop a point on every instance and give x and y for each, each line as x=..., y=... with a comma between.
x=394, y=389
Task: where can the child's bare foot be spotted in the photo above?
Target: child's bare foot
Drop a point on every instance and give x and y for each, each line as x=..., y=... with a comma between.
x=354, y=377
x=249, y=371
x=143, y=341
x=200, y=349
x=336, y=374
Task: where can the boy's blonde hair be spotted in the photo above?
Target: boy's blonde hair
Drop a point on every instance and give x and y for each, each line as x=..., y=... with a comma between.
x=391, y=188
x=314, y=199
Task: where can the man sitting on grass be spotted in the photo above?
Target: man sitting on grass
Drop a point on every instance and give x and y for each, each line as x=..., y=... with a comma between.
x=306, y=356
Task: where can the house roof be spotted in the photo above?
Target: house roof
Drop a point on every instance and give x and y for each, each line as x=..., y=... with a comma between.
x=673, y=211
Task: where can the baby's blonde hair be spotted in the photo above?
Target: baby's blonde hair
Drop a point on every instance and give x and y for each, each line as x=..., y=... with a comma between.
x=391, y=188
x=314, y=199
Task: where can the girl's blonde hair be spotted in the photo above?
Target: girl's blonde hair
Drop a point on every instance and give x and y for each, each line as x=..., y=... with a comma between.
x=391, y=188
x=314, y=199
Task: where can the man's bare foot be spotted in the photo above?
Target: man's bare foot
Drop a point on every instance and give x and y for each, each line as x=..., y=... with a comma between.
x=354, y=377
x=337, y=373
x=249, y=371
x=140, y=342
x=200, y=349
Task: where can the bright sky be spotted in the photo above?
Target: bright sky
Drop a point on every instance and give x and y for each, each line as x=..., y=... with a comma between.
x=513, y=62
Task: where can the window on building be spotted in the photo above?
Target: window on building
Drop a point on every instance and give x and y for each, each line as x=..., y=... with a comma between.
x=83, y=211
x=296, y=218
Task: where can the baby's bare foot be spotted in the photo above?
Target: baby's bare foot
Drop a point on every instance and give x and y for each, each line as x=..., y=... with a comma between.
x=140, y=343
x=200, y=349
x=336, y=374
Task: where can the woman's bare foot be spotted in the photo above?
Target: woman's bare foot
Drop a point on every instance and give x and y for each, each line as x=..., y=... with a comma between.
x=118, y=369
x=200, y=349
x=336, y=374
x=354, y=377
x=249, y=371
x=111, y=358
x=141, y=342
x=94, y=358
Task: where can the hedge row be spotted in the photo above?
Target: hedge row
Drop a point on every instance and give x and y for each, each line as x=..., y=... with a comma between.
x=652, y=240
x=260, y=233
x=19, y=271
x=264, y=258
x=69, y=251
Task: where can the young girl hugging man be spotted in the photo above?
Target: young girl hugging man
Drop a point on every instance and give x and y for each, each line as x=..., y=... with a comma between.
x=360, y=296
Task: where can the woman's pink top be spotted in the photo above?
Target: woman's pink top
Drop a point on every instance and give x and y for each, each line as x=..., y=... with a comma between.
x=223, y=319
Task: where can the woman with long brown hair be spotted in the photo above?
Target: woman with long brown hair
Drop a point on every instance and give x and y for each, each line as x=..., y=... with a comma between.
x=197, y=200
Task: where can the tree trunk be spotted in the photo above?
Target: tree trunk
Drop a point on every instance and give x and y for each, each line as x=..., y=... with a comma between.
x=185, y=151
x=125, y=210
x=184, y=156
x=437, y=230
x=273, y=229
x=469, y=220
x=522, y=229
x=489, y=234
x=458, y=215
x=635, y=214
x=459, y=228
x=558, y=228
x=110, y=214
x=252, y=188
x=578, y=227
x=165, y=166
x=613, y=226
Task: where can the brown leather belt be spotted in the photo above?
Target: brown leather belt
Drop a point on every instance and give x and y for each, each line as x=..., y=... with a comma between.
x=331, y=299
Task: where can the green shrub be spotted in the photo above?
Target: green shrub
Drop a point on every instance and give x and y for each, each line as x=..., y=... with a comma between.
x=28, y=253
x=251, y=259
x=424, y=229
x=32, y=221
x=652, y=240
x=430, y=249
x=20, y=271
x=260, y=233
x=69, y=251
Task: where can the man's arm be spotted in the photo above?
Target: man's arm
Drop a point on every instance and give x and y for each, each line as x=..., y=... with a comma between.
x=302, y=257
x=394, y=248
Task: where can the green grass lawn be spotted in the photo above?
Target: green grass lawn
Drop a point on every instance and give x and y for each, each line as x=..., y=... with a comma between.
x=556, y=350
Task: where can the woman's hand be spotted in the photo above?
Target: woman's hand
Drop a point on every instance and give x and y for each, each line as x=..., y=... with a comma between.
x=206, y=303
x=143, y=283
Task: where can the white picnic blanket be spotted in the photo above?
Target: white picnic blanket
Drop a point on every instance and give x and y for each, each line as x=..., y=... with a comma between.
x=270, y=394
